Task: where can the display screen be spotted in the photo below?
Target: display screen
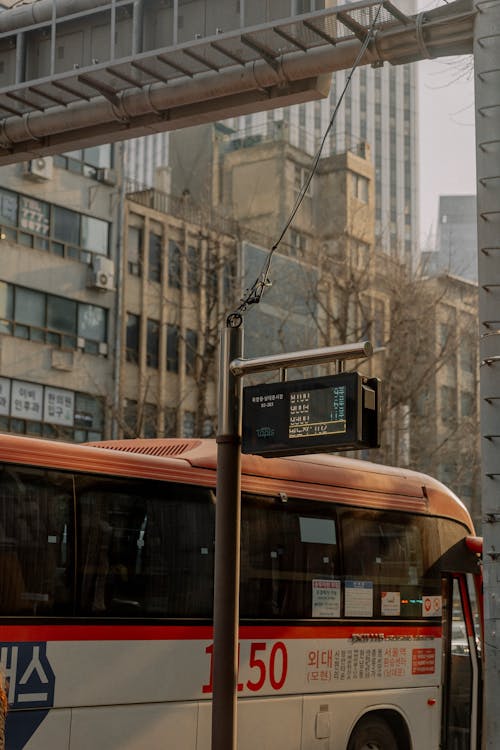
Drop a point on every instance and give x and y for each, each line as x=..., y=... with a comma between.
x=306, y=416
x=317, y=412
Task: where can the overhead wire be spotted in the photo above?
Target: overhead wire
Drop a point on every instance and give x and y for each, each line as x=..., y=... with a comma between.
x=254, y=293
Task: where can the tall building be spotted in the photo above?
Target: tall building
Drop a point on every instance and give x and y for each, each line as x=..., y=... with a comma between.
x=456, y=241
x=379, y=107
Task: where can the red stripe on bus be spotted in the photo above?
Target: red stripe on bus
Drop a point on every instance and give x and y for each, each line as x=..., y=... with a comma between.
x=28, y=633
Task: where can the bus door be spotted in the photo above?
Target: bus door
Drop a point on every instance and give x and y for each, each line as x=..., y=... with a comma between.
x=462, y=669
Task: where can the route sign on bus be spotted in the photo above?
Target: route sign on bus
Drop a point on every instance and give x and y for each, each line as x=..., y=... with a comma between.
x=331, y=413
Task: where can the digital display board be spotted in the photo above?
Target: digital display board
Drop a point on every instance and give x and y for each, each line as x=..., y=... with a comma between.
x=336, y=412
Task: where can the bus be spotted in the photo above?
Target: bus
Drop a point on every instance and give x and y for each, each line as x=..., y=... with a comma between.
x=359, y=592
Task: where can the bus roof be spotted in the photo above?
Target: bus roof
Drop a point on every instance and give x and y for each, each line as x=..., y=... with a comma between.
x=324, y=476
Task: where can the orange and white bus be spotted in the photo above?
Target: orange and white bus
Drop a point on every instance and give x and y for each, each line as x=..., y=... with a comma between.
x=358, y=598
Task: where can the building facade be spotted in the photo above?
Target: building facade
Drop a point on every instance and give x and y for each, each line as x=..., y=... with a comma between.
x=112, y=297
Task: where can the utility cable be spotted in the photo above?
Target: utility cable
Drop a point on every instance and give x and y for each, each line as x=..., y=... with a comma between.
x=254, y=294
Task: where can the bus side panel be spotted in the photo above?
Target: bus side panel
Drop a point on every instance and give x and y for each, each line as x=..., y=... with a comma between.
x=328, y=720
x=150, y=726
x=263, y=724
x=27, y=731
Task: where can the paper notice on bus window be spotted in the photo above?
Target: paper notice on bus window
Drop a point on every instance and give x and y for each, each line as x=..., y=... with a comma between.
x=432, y=606
x=358, y=599
x=325, y=598
x=390, y=603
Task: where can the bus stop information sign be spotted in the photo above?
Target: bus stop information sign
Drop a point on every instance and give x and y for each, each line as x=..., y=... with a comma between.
x=332, y=413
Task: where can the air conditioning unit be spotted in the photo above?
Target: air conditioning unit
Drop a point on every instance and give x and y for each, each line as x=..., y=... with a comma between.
x=102, y=274
x=103, y=348
x=39, y=169
x=106, y=175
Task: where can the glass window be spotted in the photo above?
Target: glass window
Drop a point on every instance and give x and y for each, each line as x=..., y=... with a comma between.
x=132, y=338
x=467, y=356
x=379, y=322
x=34, y=215
x=188, y=424
x=285, y=559
x=467, y=404
x=29, y=307
x=8, y=207
x=173, y=348
x=155, y=251
x=193, y=268
x=6, y=307
x=98, y=156
x=386, y=554
x=92, y=322
x=147, y=550
x=170, y=422
x=174, y=265
x=152, y=343
x=66, y=225
x=150, y=419
x=61, y=314
x=191, y=351
x=95, y=235
x=134, y=250
x=360, y=187
x=36, y=555
x=448, y=403
x=89, y=412
x=130, y=419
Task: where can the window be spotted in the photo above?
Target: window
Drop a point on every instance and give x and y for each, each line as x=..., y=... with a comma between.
x=130, y=418
x=191, y=351
x=193, y=268
x=149, y=421
x=360, y=186
x=61, y=317
x=170, y=422
x=8, y=207
x=379, y=322
x=29, y=314
x=134, y=250
x=385, y=555
x=34, y=409
x=92, y=326
x=85, y=161
x=448, y=403
x=132, y=338
x=52, y=320
x=467, y=404
x=155, y=253
x=174, y=265
x=45, y=226
x=152, y=343
x=188, y=424
x=300, y=177
x=89, y=418
x=467, y=356
x=94, y=235
x=6, y=307
x=284, y=557
x=172, y=348
x=66, y=226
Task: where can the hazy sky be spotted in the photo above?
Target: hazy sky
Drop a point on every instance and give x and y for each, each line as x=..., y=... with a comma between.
x=447, y=137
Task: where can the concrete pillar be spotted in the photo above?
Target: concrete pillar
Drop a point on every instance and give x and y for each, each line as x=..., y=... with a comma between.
x=487, y=102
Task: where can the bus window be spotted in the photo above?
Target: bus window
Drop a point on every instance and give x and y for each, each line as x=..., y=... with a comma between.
x=385, y=550
x=284, y=549
x=36, y=559
x=146, y=550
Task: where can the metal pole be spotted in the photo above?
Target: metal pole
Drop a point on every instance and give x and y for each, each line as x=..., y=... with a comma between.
x=227, y=546
x=487, y=100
